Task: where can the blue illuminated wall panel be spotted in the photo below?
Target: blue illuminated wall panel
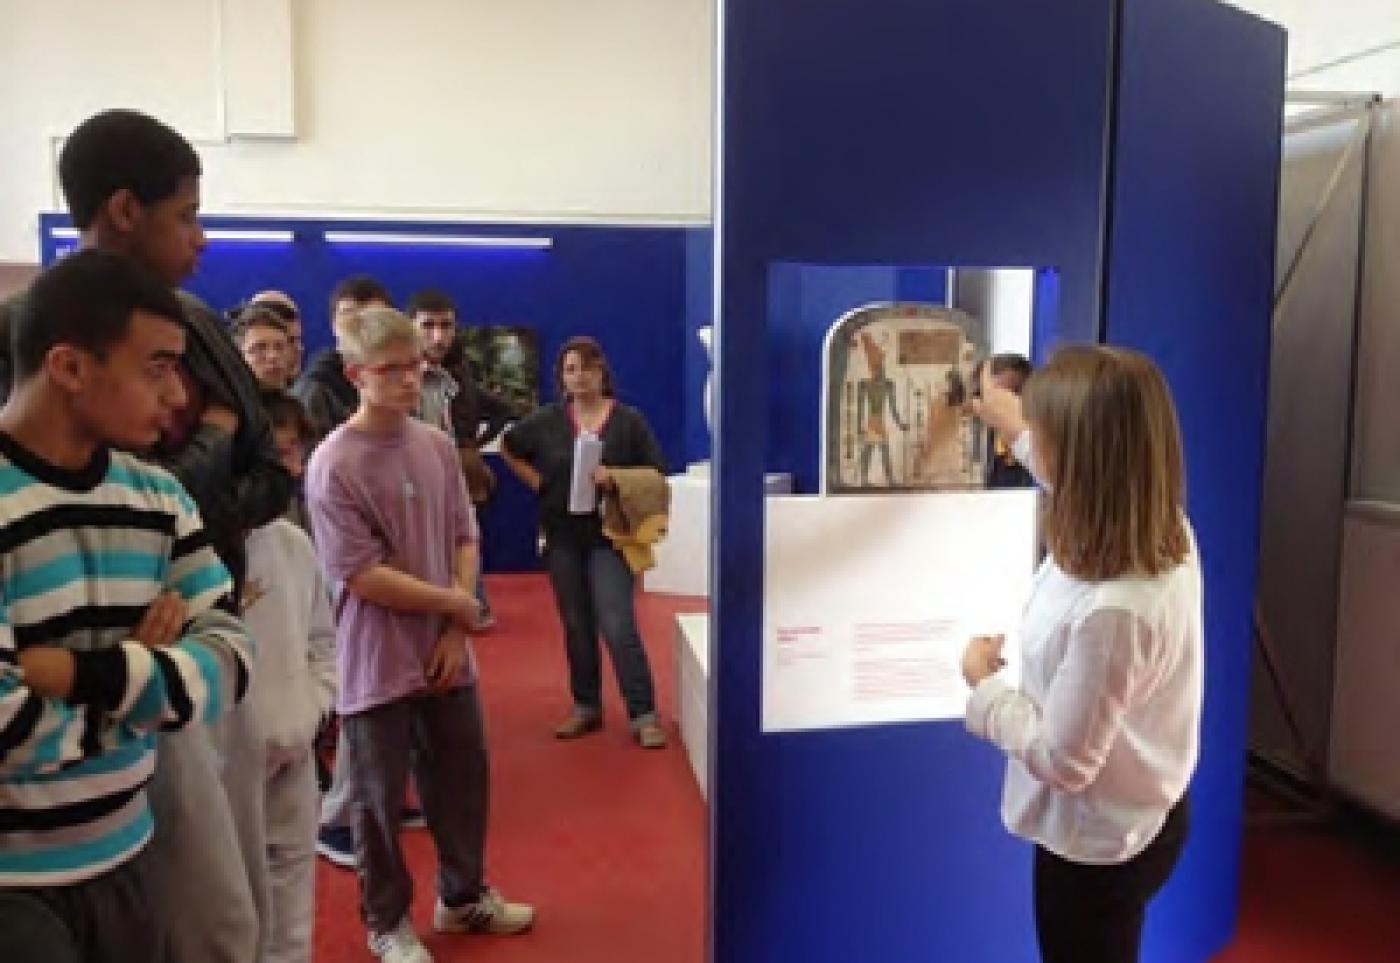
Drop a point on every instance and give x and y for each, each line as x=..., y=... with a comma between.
x=1190, y=282
x=877, y=133
x=975, y=132
x=624, y=285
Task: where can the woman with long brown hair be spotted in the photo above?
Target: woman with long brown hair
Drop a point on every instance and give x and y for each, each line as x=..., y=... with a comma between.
x=593, y=584
x=1103, y=734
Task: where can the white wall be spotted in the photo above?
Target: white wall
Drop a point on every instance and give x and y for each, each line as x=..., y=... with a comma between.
x=577, y=110
x=1321, y=32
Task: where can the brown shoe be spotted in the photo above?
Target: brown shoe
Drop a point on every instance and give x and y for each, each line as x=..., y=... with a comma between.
x=650, y=735
x=578, y=724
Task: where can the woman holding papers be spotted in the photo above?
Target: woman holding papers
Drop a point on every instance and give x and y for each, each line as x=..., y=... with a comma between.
x=1102, y=735
x=566, y=452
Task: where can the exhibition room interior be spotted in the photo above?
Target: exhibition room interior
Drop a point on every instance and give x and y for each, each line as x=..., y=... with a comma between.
x=807, y=238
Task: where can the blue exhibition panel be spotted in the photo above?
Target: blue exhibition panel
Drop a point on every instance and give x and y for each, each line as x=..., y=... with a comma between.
x=1190, y=282
x=625, y=286
x=977, y=133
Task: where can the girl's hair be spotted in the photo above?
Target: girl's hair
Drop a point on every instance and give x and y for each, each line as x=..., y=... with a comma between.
x=591, y=354
x=1105, y=423
x=286, y=411
x=371, y=329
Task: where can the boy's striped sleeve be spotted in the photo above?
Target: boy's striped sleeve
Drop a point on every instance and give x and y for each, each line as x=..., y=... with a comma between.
x=38, y=734
x=206, y=670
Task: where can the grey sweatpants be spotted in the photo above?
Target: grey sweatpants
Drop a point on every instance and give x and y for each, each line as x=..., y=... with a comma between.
x=442, y=740
x=108, y=919
x=198, y=873
x=240, y=746
x=291, y=800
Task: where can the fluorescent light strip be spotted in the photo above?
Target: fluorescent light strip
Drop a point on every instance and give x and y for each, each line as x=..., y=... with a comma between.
x=238, y=234
x=440, y=240
x=213, y=234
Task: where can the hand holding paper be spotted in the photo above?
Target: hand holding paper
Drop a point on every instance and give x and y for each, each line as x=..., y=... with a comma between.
x=982, y=658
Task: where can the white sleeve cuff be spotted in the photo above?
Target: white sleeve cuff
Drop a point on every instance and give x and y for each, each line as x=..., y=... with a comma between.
x=979, y=708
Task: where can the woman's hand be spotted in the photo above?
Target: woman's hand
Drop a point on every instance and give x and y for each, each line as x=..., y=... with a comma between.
x=999, y=408
x=982, y=658
x=603, y=478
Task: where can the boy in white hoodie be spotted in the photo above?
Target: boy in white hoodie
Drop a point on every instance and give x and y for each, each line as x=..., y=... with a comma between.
x=287, y=609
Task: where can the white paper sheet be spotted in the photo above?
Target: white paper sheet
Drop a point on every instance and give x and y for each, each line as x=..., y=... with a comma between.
x=583, y=491
x=869, y=602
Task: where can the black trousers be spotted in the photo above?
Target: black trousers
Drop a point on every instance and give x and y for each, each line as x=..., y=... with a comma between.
x=108, y=919
x=1094, y=914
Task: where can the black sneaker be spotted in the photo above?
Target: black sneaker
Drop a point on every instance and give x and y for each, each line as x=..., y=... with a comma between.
x=337, y=844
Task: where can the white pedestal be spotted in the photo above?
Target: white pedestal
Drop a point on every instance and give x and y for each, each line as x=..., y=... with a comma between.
x=683, y=556
x=693, y=692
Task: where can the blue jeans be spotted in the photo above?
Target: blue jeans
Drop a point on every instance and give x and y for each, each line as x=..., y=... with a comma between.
x=593, y=588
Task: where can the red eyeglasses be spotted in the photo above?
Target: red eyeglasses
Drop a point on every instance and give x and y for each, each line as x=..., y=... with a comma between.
x=399, y=369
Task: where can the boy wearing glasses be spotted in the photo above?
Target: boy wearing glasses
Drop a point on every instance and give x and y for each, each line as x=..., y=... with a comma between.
x=396, y=531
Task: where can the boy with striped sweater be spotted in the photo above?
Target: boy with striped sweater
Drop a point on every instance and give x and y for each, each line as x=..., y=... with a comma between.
x=110, y=628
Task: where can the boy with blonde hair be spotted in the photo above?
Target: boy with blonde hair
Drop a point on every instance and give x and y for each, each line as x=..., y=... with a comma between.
x=397, y=535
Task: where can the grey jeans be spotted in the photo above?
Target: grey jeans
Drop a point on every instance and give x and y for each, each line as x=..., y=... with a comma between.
x=441, y=739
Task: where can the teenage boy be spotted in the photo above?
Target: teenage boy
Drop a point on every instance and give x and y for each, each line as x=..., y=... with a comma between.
x=264, y=342
x=1011, y=372
x=110, y=628
x=452, y=400
x=397, y=535
x=285, y=308
x=287, y=609
x=132, y=188
x=323, y=388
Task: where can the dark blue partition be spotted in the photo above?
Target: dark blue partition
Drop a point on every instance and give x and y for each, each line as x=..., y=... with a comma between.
x=624, y=285
x=1190, y=282
x=699, y=311
x=892, y=132
x=976, y=132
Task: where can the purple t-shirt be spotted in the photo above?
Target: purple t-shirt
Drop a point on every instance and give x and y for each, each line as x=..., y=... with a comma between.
x=397, y=499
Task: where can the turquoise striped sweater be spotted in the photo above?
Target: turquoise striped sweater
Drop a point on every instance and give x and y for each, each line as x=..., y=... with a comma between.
x=83, y=553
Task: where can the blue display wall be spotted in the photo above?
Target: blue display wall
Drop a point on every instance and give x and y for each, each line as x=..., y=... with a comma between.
x=624, y=285
x=1190, y=282
x=977, y=132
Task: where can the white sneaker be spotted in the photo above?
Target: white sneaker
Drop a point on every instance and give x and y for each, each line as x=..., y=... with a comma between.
x=400, y=945
x=490, y=914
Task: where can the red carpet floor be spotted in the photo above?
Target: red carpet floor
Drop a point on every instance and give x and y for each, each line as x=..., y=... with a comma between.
x=1316, y=895
x=608, y=840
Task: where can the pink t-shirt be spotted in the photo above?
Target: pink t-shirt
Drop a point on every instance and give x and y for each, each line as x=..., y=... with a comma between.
x=397, y=499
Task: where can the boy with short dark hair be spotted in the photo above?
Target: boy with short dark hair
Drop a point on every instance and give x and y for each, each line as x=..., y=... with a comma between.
x=265, y=343
x=132, y=187
x=292, y=428
x=454, y=401
x=281, y=304
x=328, y=395
x=111, y=629
x=1009, y=371
x=287, y=608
